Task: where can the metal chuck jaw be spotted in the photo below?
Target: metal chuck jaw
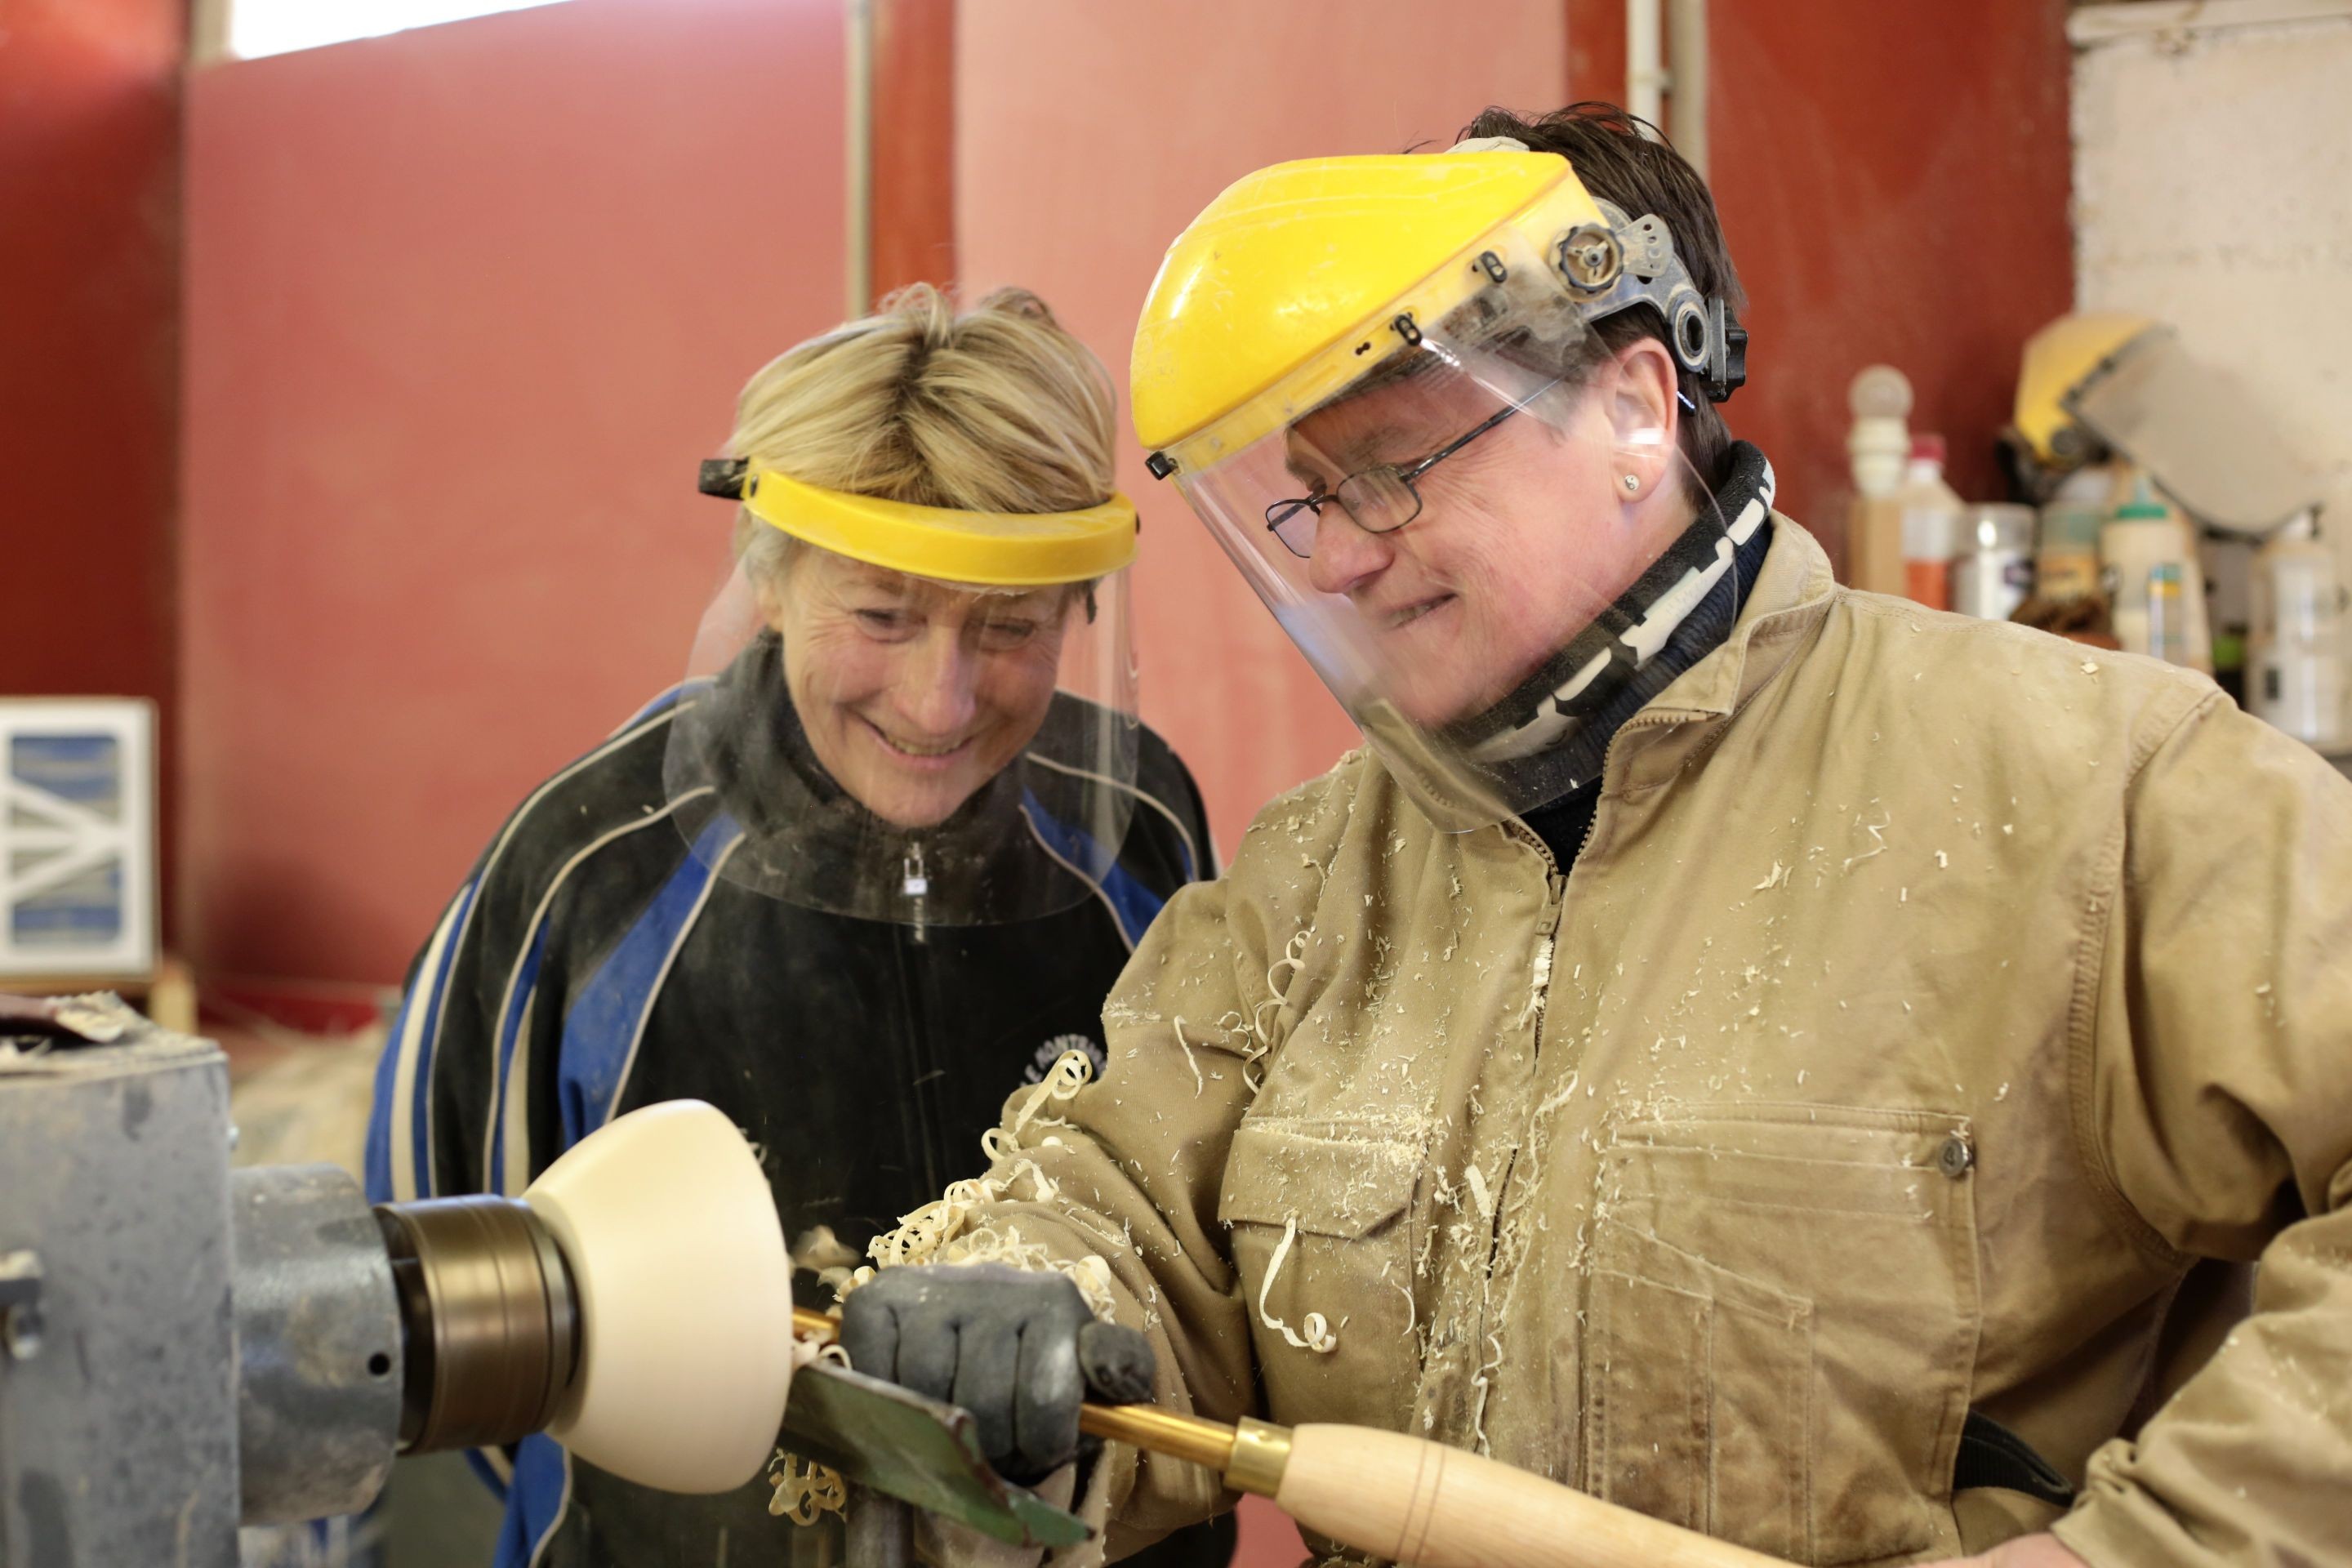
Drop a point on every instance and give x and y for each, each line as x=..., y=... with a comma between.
x=464, y=1322
x=443, y=1323
x=489, y=1320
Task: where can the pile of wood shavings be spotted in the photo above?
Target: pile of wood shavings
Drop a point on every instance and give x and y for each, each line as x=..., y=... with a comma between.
x=804, y=1488
x=943, y=1232
x=802, y=1494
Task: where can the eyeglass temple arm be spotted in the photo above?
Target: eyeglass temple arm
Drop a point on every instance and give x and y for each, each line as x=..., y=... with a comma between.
x=1409, y=475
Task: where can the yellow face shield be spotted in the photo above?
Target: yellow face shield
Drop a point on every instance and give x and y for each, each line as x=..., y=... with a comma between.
x=948, y=545
x=1375, y=379
x=1303, y=278
x=908, y=713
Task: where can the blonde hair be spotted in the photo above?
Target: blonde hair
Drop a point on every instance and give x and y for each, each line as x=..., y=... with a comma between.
x=997, y=408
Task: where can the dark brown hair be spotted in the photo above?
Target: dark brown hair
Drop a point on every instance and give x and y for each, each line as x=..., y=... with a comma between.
x=1622, y=158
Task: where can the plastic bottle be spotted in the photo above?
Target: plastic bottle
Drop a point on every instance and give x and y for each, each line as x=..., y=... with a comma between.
x=2066, y=544
x=2230, y=662
x=2155, y=585
x=1879, y=444
x=1931, y=525
x=1994, y=572
x=2294, y=664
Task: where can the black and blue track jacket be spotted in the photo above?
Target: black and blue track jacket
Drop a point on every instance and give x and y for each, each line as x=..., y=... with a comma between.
x=591, y=963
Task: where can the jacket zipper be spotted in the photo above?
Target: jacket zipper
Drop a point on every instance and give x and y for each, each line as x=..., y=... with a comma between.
x=1555, y=880
x=1555, y=914
x=919, y=1079
x=1555, y=908
x=1638, y=721
x=1555, y=903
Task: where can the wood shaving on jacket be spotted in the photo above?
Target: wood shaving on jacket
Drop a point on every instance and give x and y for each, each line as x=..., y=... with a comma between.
x=943, y=1231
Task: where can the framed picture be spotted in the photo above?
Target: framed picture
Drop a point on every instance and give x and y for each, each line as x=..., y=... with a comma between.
x=76, y=838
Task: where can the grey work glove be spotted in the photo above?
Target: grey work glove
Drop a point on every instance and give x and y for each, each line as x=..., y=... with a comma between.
x=1018, y=1350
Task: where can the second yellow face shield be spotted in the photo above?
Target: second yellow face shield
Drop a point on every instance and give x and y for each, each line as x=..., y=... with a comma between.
x=987, y=549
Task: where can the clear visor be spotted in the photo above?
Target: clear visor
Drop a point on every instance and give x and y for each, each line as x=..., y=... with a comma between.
x=890, y=747
x=1479, y=556
x=2209, y=442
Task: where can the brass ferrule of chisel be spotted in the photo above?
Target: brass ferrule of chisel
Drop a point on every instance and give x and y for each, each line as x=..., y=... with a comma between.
x=1250, y=1456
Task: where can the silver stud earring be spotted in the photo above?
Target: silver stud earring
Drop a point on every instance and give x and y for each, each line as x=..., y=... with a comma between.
x=1632, y=482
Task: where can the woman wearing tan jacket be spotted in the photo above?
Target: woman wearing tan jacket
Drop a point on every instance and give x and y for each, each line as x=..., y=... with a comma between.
x=1801, y=1065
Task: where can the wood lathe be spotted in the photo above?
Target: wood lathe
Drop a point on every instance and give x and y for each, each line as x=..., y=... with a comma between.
x=185, y=1347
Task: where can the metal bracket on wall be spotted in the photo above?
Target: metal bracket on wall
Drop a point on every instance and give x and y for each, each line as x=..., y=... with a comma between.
x=858, y=261
x=1665, y=71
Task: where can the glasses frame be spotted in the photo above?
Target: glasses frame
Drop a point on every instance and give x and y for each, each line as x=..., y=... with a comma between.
x=1283, y=512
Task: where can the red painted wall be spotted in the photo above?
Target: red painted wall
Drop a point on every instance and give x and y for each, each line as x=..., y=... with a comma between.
x=89, y=242
x=1894, y=180
x=466, y=305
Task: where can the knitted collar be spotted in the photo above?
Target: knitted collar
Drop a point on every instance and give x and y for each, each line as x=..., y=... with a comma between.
x=1554, y=704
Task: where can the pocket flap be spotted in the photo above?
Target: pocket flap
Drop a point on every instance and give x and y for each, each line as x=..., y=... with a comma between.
x=1334, y=1177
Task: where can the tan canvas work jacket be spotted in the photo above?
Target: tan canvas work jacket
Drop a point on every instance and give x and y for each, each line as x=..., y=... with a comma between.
x=1929, y=997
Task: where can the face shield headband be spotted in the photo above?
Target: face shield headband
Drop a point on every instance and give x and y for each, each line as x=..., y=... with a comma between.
x=947, y=544
x=1631, y=263
x=1606, y=268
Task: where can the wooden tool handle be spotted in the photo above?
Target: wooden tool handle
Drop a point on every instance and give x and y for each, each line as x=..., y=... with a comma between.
x=1426, y=1504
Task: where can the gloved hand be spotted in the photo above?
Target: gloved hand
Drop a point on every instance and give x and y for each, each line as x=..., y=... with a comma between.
x=1018, y=1350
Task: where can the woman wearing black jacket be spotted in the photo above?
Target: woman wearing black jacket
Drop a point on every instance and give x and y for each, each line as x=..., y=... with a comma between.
x=872, y=868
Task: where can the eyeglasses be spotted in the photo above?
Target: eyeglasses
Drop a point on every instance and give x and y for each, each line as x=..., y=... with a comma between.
x=1379, y=500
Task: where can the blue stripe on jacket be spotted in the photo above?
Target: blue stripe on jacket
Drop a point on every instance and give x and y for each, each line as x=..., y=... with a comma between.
x=603, y=1026
x=376, y=1168
x=510, y=1030
x=1133, y=905
x=609, y=1016
x=662, y=703
x=535, y=1502
x=420, y=1109
x=429, y=990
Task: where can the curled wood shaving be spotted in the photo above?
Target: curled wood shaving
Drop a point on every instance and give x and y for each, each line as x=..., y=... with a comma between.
x=804, y=1488
x=1318, y=1337
x=1534, y=1008
x=1294, y=958
x=802, y=1494
x=1189, y=1059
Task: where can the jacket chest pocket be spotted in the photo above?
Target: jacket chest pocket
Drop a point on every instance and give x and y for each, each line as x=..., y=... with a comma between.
x=1318, y=1214
x=1782, y=1317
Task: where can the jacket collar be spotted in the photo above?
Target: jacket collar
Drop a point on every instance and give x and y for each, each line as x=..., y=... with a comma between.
x=1791, y=597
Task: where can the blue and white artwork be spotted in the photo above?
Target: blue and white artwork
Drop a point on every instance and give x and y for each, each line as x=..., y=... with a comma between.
x=76, y=838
